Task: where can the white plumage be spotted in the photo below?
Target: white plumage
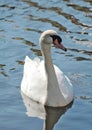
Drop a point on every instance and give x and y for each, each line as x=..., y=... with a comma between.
x=44, y=82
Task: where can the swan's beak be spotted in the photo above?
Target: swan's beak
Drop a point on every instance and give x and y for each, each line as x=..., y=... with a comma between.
x=59, y=45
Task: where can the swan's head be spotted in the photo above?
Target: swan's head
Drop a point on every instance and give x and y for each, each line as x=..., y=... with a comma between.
x=51, y=37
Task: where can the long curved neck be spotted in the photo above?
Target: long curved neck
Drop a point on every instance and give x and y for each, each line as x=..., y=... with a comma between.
x=53, y=91
x=49, y=68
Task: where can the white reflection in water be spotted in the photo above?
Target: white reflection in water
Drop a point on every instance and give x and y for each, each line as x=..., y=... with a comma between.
x=50, y=115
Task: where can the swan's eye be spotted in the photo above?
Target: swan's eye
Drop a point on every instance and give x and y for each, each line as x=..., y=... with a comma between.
x=54, y=37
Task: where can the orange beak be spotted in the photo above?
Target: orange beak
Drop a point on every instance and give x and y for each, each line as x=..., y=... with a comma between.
x=59, y=45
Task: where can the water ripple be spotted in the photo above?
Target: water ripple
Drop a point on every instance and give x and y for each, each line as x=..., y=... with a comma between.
x=81, y=51
x=59, y=11
x=24, y=41
x=80, y=8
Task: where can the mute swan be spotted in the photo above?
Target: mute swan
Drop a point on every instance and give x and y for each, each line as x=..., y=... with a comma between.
x=44, y=82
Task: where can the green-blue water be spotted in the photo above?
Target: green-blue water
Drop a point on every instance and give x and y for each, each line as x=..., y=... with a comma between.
x=21, y=23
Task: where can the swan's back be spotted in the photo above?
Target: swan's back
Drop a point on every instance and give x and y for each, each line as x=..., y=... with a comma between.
x=34, y=81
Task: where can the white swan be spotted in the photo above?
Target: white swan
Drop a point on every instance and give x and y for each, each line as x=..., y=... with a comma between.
x=44, y=82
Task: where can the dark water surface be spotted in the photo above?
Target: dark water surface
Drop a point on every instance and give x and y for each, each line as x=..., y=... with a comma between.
x=21, y=23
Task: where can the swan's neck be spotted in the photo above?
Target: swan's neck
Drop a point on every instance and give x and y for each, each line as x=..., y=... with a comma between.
x=49, y=68
x=53, y=91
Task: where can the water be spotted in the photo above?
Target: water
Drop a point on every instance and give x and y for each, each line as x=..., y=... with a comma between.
x=21, y=23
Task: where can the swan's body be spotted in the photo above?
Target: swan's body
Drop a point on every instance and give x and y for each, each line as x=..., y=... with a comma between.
x=44, y=82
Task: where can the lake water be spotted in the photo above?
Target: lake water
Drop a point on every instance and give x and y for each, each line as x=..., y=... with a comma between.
x=21, y=23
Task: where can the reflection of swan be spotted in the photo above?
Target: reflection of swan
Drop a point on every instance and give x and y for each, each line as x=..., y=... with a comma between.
x=50, y=114
x=43, y=81
x=34, y=109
